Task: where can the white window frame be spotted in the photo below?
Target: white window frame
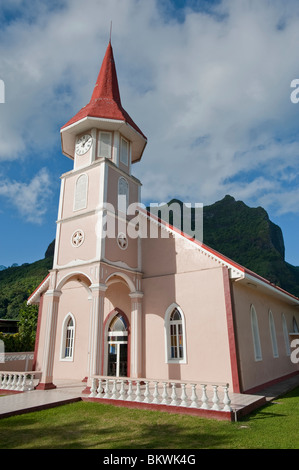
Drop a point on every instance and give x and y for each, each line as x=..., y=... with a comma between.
x=83, y=206
x=273, y=335
x=286, y=334
x=99, y=144
x=255, y=334
x=126, y=162
x=109, y=334
x=65, y=328
x=167, y=323
x=122, y=182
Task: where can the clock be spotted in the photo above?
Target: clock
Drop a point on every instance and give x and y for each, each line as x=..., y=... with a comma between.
x=83, y=144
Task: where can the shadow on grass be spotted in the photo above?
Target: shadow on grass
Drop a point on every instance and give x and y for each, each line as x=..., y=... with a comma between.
x=108, y=428
x=264, y=413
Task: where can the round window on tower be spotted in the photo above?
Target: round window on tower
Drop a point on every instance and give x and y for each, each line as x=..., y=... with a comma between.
x=122, y=241
x=77, y=238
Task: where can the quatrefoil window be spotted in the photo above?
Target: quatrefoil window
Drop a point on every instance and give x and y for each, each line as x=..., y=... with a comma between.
x=122, y=241
x=77, y=238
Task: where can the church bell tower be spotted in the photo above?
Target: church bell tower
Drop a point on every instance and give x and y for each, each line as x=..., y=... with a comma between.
x=103, y=141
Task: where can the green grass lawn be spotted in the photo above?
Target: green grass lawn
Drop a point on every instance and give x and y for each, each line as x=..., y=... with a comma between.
x=89, y=425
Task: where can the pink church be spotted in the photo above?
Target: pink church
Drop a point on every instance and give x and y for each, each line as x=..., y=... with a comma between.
x=164, y=308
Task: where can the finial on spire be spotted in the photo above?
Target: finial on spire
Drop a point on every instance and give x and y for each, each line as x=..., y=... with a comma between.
x=110, y=32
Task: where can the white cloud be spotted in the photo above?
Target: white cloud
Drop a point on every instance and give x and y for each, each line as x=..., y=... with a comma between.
x=30, y=199
x=212, y=93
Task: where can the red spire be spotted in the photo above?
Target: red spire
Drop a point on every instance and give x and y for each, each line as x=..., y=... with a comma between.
x=107, y=83
x=105, y=101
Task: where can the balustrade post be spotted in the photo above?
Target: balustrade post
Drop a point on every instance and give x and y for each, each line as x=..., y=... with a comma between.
x=122, y=393
x=130, y=391
x=194, y=397
x=226, y=400
x=184, y=396
x=93, y=388
x=100, y=389
x=138, y=391
x=19, y=383
x=107, y=391
x=30, y=384
x=204, y=398
x=6, y=380
x=146, y=393
x=9, y=382
x=165, y=397
x=114, y=390
x=156, y=393
x=173, y=395
x=215, y=399
x=14, y=382
x=23, y=386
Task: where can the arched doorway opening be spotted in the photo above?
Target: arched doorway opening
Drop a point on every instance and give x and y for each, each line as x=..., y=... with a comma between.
x=118, y=348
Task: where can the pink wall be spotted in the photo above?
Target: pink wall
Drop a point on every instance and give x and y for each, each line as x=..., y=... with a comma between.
x=74, y=299
x=200, y=295
x=255, y=373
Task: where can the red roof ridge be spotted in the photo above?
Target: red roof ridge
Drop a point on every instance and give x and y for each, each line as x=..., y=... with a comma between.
x=38, y=287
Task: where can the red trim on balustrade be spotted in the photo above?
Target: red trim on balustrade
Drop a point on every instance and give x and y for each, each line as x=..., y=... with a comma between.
x=219, y=415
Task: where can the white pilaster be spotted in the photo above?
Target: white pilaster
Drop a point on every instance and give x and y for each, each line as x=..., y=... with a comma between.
x=96, y=328
x=52, y=297
x=136, y=334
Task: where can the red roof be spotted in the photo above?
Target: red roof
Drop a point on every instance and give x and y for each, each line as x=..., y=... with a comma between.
x=105, y=101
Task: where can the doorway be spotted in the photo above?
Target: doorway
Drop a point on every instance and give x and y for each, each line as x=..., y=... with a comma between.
x=117, y=364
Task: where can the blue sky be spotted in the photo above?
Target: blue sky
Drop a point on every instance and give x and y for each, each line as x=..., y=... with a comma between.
x=208, y=82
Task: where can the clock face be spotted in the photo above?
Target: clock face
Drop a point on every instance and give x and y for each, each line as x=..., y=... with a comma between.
x=83, y=144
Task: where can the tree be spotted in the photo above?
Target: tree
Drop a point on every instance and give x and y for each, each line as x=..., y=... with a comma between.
x=27, y=325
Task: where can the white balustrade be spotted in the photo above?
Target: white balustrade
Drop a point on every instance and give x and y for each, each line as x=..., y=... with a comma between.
x=194, y=397
x=216, y=399
x=156, y=396
x=17, y=381
x=159, y=392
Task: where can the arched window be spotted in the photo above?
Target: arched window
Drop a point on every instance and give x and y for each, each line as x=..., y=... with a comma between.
x=68, y=334
x=80, y=200
x=255, y=335
x=273, y=334
x=123, y=195
x=286, y=335
x=175, y=335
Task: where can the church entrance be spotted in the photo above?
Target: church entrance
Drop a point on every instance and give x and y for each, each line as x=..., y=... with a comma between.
x=117, y=347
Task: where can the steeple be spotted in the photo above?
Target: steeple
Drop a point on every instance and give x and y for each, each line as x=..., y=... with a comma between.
x=105, y=104
x=106, y=86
